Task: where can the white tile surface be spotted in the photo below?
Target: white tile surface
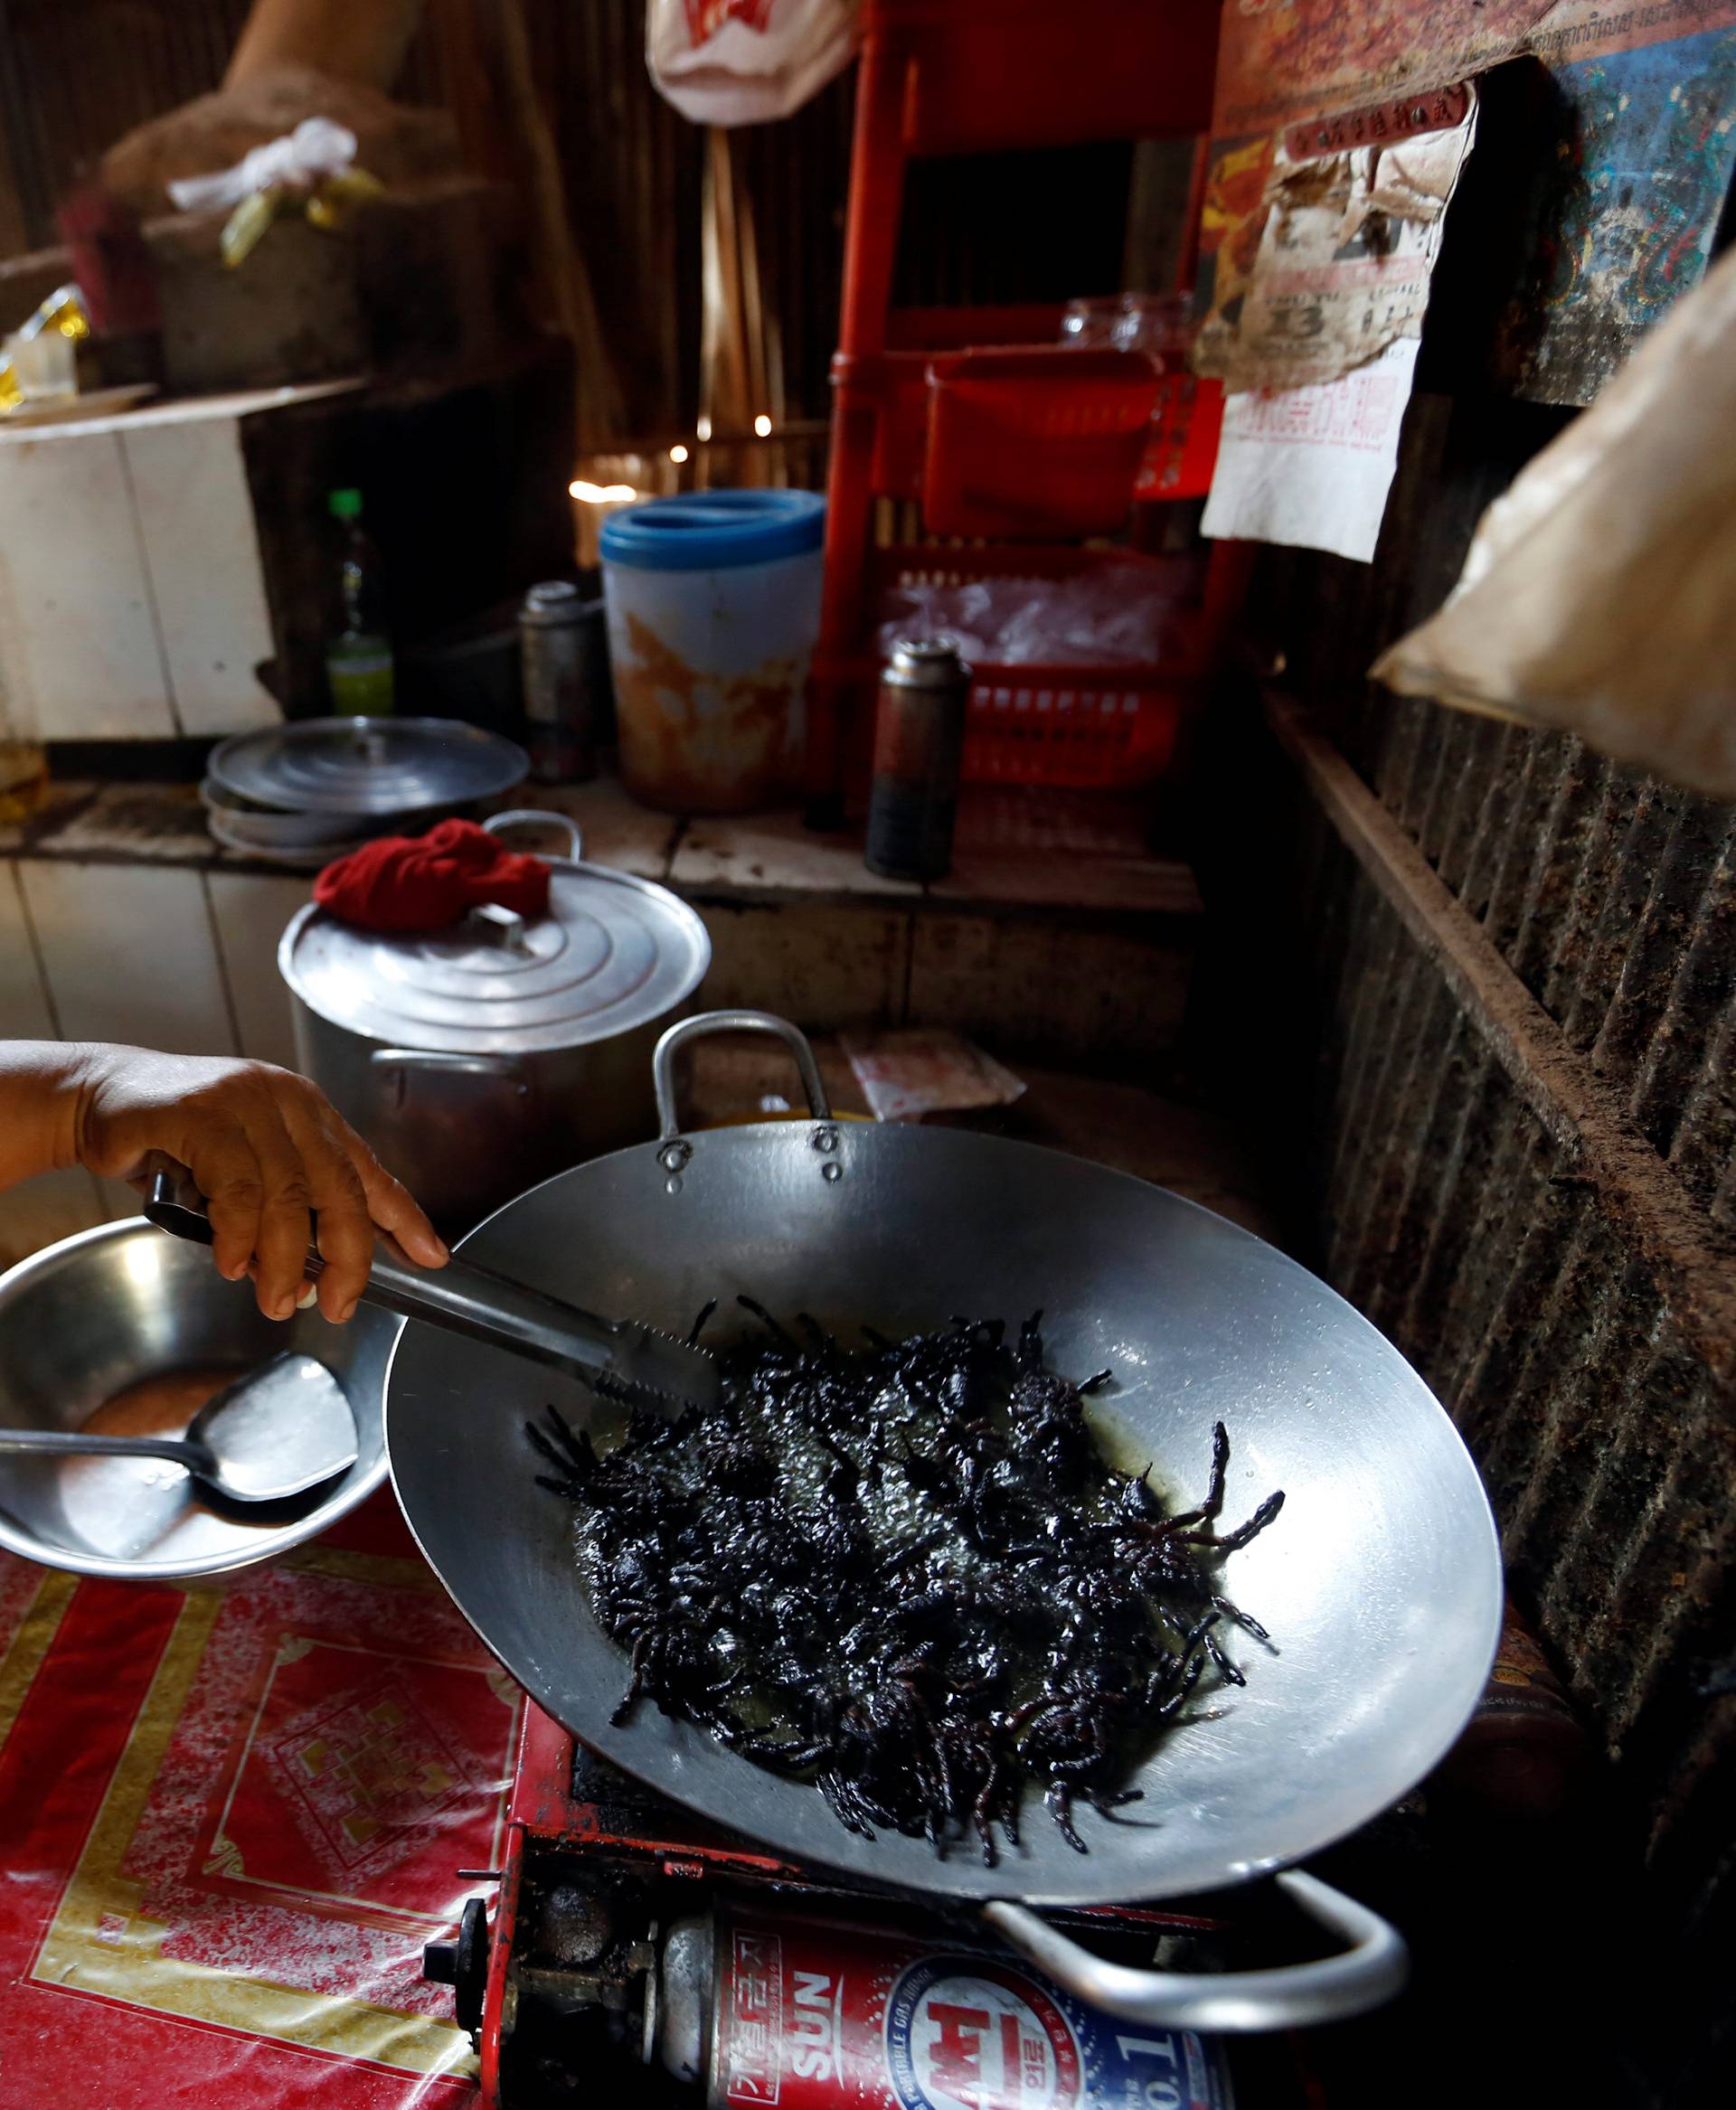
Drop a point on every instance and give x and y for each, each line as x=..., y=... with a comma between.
x=79, y=651
x=251, y=913
x=58, y=1205
x=130, y=955
x=186, y=409
x=202, y=555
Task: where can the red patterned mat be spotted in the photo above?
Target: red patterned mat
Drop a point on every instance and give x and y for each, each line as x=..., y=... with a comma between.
x=230, y=1818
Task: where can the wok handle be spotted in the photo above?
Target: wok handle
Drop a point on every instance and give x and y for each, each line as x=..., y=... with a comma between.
x=663, y=1062
x=1367, y=1974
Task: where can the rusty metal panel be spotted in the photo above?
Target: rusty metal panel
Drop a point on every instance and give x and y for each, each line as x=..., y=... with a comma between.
x=1447, y=1213
x=1611, y=897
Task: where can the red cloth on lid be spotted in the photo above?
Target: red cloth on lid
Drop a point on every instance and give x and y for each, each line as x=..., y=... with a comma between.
x=404, y=882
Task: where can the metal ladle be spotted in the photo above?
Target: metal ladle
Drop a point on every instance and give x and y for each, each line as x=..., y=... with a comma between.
x=276, y=1432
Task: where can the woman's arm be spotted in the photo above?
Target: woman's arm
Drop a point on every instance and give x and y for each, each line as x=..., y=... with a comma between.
x=267, y=1149
x=38, y=1109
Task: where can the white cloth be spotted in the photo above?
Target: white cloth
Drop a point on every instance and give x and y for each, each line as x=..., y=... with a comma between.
x=315, y=151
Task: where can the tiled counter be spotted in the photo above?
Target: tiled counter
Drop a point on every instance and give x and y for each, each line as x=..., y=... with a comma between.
x=1056, y=939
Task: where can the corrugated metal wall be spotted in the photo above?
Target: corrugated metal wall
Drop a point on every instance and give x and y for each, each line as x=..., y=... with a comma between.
x=1604, y=1419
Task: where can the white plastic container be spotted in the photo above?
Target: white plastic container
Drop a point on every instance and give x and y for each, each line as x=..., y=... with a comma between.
x=713, y=605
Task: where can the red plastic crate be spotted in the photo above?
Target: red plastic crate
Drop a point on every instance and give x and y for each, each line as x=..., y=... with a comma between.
x=1045, y=441
x=942, y=76
x=991, y=74
x=1181, y=449
x=1086, y=728
x=1176, y=460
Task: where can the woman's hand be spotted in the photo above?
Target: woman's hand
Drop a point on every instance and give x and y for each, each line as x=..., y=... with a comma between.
x=268, y=1151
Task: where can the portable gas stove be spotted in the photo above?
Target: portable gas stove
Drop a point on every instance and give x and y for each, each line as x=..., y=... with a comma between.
x=631, y=1944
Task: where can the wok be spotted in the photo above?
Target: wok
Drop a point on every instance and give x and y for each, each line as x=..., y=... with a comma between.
x=1380, y=1581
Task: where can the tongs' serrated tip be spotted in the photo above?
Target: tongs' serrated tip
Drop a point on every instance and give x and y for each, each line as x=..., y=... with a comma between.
x=629, y=1392
x=660, y=1372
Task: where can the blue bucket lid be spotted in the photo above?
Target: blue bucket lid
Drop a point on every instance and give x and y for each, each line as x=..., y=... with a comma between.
x=714, y=530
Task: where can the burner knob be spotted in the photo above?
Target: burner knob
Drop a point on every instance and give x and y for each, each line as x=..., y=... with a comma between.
x=463, y=1966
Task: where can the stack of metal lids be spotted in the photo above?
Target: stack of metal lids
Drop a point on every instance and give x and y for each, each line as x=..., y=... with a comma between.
x=304, y=793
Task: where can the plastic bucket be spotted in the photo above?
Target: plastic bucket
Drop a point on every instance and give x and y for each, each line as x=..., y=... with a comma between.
x=713, y=605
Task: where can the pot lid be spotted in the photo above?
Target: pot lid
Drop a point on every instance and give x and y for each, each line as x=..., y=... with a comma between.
x=612, y=953
x=368, y=764
x=714, y=531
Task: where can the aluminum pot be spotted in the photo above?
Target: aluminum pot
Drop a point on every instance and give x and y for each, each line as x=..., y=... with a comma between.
x=121, y=1307
x=479, y=1061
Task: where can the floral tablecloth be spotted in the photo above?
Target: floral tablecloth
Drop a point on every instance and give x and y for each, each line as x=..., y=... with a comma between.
x=230, y=1818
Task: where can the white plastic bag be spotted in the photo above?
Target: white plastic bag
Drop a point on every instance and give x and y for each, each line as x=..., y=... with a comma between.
x=1599, y=595
x=746, y=61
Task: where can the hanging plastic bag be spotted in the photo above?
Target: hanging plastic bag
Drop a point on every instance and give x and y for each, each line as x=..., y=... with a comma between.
x=746, y=61
x=1599, y=595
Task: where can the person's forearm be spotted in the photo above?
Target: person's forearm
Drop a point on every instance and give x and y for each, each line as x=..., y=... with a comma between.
x=274, y=1158
x=38, y=1106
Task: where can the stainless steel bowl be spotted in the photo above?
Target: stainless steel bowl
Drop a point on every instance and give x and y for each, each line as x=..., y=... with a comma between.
x=84, y=1320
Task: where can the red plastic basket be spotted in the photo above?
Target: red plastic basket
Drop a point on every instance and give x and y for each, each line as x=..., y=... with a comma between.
x=942, y=76
x=1043, y=441
x=1086, y=728
x=998, y=73
x=1181, y=449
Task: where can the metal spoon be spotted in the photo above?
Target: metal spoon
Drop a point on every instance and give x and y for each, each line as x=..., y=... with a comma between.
x=276, y=1432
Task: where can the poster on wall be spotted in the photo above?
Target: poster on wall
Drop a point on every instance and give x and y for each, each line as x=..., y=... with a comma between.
x=1342, y=247
x=1280, y=61
x=1316, y=336
x=1619, y=221
x=1640, y=146
x=1618, y=214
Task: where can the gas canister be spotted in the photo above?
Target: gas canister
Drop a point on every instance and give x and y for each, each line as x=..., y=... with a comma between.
x=817, y=2015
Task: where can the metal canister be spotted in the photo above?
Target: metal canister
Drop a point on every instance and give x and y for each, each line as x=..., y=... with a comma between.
x=918, y=745
x=817, y=2015
x=560, y=640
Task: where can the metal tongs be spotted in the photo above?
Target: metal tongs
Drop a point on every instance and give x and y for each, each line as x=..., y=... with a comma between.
x=622, y=1359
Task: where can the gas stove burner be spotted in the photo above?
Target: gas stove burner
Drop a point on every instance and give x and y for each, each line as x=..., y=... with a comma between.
x=632, y=1946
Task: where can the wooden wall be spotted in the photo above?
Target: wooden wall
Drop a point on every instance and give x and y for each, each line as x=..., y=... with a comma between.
x=74, y=74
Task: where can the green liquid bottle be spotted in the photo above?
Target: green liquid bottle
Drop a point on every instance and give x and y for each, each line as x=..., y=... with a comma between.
x=358, y=660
